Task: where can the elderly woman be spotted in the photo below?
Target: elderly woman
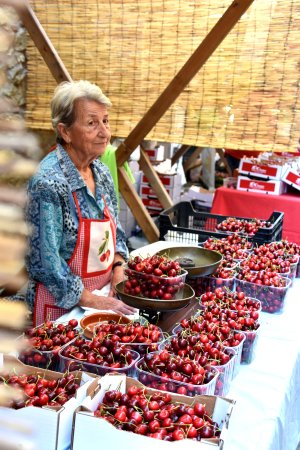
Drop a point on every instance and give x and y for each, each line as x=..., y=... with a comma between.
x=76, y=245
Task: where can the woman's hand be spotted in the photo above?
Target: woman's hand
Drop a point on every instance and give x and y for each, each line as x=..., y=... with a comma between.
x=99, y=302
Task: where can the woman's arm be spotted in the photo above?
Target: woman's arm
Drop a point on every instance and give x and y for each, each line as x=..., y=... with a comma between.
x=117, y=273
x=44, y=259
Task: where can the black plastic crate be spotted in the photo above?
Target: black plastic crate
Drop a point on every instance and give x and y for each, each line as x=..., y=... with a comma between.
x=183, y=218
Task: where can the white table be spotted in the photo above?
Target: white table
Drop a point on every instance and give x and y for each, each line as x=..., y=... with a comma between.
x=267, y=391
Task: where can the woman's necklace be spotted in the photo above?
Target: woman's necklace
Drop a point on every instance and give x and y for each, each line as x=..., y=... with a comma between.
x=88, y=176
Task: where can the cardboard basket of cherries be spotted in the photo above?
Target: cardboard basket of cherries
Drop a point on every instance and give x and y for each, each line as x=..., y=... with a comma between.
x=157, y=415
x=38, y=387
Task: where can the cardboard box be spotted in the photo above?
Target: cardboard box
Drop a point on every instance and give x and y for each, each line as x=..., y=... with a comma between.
x=156, y=154
x=51, y=426
x=261, y=170
x=292, y=178
x=167, y=180
x=147, y=191
x=106, y=436
x=152, y=204
x=274, y=187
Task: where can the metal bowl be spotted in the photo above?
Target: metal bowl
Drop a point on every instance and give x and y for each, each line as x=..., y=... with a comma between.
x=151, y=304
x=203, y=261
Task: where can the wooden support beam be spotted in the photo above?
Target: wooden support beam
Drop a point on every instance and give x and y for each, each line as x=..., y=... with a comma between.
x=44, y=45
x=180, y=152
x=209, y=44
x=137, y=207
x=156, y=184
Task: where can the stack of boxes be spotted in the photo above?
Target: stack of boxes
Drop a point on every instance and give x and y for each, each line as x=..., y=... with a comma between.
x=266, y=174
x=172, y=184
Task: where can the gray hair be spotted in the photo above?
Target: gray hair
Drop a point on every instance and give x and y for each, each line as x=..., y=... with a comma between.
x=64, y=98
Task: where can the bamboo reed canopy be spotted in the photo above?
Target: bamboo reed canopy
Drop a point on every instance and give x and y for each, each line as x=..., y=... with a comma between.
x=245, y=97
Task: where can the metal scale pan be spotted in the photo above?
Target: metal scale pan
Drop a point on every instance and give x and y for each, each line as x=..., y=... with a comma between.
x=199, y=262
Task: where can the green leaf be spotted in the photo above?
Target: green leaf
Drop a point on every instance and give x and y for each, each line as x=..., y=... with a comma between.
x=102, y=247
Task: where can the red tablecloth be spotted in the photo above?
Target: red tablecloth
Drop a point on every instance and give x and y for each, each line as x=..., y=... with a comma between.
x=231, y=202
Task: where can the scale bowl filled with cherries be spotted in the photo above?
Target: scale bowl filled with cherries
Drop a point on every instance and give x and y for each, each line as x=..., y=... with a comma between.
x=194, y=261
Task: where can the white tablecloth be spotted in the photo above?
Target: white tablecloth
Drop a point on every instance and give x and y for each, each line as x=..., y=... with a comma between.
x=267, y=391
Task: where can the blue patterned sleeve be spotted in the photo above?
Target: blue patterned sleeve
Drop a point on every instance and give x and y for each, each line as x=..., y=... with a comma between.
x=43, y=260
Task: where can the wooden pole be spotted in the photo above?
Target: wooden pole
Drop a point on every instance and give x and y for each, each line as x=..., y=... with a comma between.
x=183, y=77
x=44, y=45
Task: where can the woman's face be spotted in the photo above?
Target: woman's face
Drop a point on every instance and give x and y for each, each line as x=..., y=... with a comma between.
x=90, y=134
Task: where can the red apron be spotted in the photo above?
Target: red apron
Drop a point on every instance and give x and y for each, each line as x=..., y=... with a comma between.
x=92, y=261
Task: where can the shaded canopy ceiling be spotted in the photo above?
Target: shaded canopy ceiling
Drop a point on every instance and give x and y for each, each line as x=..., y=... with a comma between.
x=246, y=95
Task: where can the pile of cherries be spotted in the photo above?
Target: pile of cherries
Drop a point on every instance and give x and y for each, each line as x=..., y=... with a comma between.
x=218, y=324
x=45, y=341
x=263, y=278
x=156, y=277
x=169, y=372
x=39, y=391
x=100, y=355
x=281, y=251
x=278, y=250
x=256, y=262
x=232, y=247
x=142, y=338
x=198, y=346
x=249, y=227
x=284, y=247
x=228, y=300
x=156, y=416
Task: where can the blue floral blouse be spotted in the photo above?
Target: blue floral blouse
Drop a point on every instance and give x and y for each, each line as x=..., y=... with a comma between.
x=53, y=220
